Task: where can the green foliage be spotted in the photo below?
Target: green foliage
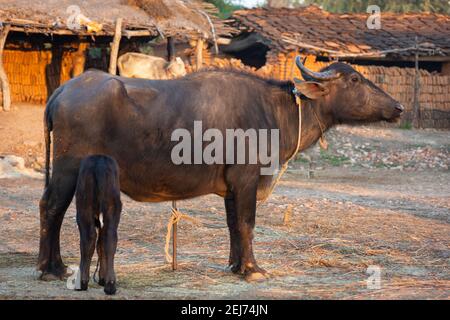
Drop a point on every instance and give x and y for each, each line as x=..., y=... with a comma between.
x=95, y=53
x=225, y=7
x=437, y=6
x=407, y=125
x=332, y=159
x=301, y=159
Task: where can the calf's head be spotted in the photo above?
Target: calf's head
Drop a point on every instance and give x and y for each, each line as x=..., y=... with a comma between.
x=346, y=95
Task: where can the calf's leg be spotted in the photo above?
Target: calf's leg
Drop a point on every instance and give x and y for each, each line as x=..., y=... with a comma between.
x=88, y=236
x=109, y=249
x=101, y=257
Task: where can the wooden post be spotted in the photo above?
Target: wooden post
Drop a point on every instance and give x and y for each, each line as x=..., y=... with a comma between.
x=445, y=69
x=3, y=76
x=174, y=240
x=115, y=47
x=199, y=54
x=416, y=106
x=79, y=59
x=170, y=49
x=53, y=70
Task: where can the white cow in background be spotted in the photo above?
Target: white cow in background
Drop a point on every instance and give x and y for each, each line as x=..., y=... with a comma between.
x=138, y=65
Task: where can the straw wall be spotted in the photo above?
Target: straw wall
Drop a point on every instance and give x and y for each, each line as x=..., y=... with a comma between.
x=26, y=74
x=32, y=74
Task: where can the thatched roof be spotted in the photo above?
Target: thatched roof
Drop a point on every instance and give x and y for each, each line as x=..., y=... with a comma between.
x=140, y=17
x=314, y=30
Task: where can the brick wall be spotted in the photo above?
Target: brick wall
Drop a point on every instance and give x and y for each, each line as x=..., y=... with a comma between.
x=31, y=73
x=434, y=96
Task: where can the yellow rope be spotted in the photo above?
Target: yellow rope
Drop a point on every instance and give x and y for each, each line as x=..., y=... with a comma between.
x=285, y=165
x=322, y=141
x=176, y=216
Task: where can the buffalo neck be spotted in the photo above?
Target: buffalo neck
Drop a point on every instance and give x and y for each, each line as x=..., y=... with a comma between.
x=315, y=119
x=312, y=112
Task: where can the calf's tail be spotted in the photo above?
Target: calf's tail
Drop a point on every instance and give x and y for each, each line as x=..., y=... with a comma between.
x=101, y=181
x=106, y=181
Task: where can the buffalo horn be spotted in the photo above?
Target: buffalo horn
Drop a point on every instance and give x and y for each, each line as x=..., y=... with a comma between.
x=309, y=75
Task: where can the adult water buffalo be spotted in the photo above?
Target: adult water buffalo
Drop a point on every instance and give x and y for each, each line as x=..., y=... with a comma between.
x=132, y=120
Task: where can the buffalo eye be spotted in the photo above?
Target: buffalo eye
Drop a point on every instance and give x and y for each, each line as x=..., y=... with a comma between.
x=355, y=78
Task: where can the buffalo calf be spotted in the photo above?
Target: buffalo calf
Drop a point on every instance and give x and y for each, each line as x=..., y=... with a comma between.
x=98, y=207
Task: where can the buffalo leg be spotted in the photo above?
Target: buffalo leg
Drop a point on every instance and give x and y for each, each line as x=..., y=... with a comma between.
x=53, y=205
x=244, y=192
x=234, y=260
x=88, y=236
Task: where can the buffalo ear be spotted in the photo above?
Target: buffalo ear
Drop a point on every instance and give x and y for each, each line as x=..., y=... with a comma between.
x=310, y=89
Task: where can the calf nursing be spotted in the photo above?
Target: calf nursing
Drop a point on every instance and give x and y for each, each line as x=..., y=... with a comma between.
x=98, y=207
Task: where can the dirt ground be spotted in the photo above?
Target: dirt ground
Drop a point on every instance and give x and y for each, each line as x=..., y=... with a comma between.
x=372, y=202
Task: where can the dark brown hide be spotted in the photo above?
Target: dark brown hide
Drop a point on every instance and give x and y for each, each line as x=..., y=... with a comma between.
x=132, y=121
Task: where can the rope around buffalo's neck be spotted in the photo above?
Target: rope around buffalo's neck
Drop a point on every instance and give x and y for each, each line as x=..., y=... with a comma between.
x=322, y=142
x=297, y=148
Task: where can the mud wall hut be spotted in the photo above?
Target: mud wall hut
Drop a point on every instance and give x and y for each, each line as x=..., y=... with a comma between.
x=45, y=43
x=269, y=39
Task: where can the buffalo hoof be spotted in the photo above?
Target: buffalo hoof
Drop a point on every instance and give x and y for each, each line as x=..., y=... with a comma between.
x=51, y=274
x=83, y=286
x=235, y=268
x=250, y=271
x=45, y=276
x=253, y=273
x=110, y=288
x=256, y=276
x=101, y=282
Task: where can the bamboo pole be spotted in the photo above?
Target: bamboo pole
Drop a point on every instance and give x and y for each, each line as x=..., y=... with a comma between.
x=170, y=49
x=373, y=54
x=115, y=47
x=3, y=76
x=79, y=59
x=199, y=54
x=174, y=240
x=416, y=105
